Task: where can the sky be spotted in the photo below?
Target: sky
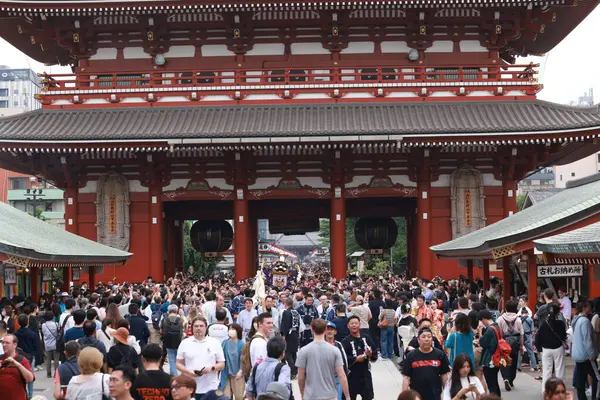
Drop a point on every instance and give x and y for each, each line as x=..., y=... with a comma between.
x=567, y=71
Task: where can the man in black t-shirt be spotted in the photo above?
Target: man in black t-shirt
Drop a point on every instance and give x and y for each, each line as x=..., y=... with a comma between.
x=152, y=384
x=359, y=350
x=425, y=369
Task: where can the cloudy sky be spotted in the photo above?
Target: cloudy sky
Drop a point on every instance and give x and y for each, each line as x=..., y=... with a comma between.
x=567, y=72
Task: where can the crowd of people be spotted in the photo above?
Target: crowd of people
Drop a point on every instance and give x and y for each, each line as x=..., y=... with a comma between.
x=219, y=340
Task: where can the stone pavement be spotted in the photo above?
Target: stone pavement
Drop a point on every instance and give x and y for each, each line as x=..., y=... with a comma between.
x=387, y=381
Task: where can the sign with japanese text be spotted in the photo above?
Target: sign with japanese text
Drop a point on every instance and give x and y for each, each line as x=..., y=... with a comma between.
x=558, y=271
x=76, y=274
x=46, y=274
x=10, y=275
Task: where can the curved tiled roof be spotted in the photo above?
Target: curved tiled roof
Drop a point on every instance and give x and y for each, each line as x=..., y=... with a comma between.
x=402, y=118
x=563, y=209
x=579, y=241
x=29, y=237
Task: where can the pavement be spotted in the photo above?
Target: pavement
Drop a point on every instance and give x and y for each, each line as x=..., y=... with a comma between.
x=387, y=381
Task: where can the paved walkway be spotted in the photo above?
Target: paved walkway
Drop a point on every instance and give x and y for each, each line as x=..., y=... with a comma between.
x=387, y=381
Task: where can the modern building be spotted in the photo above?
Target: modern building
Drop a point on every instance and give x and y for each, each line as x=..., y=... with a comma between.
x=18, y=88
x=291, y=112
x=582, y=168
x=27, y=193
x=541, y=179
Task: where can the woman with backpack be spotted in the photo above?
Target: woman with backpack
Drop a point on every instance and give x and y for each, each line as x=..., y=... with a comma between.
x=550, y=338
x=91, y=383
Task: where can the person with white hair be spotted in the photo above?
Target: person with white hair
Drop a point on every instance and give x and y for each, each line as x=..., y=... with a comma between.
x=171, y=329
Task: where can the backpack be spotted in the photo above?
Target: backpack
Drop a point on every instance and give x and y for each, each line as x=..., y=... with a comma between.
x=125, y=357
x=276, y=373
x=246, y=361
x=156, y=318
x=172, y=333
x=84, y=345
x=513, y=338
x=60, y=342
x=501, y=356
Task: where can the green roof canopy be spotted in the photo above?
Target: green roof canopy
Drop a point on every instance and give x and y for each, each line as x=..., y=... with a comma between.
x=579, y=201
x=24, y=236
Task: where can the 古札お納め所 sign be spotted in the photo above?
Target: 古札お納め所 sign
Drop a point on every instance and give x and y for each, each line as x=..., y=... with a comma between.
x=558, y=271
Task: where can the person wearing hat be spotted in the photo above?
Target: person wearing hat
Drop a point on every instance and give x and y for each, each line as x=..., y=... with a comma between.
x=121, y=353
x=61, y=302
x=426, y=369
x=275, y=391
x=330, y=333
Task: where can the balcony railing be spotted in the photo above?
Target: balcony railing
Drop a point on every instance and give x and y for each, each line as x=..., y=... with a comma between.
x=232, y=81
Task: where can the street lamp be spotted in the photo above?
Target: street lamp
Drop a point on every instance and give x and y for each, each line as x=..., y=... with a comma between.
x=33, y=194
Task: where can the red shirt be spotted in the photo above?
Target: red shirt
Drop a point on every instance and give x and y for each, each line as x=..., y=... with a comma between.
x=11, y=380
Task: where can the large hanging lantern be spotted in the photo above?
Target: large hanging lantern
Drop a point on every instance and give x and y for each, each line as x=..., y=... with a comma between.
x=375, y=233
x=211, y=236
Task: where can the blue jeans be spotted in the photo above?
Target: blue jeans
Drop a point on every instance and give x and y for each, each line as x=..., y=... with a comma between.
x=172, y=357
x=387, y=342
x=340, y=392
x=30, y=384
x=529, y=348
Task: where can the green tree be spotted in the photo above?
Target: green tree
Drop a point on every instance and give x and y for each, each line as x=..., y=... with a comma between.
x=38, y=214
x=203, y=266
x=398, y=252
x=521, y=201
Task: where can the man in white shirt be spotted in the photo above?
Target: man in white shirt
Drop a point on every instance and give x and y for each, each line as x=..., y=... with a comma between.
x=201, y=357
x=271, y=309
x=219, y=330
x=258, y=346
x=246, y=316
x=69, y=304
x=210, y=308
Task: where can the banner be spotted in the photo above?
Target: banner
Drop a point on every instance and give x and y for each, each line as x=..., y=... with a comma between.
x=10, y=275
x=46, y=274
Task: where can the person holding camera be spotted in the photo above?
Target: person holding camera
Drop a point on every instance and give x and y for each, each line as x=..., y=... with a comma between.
x=15, y=370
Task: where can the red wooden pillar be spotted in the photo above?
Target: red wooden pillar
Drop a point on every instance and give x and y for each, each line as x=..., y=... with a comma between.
x=532, y=280
x=486, y=274
x=71, y=225
x=470, y=269
x=156, y=243
x=423, y=264
x=34, y=281
x=241, y=240
x=337, y=223
x=170, y=239
x=253, y=244
x=410, y=242
x=510, y=198
x=506, y=289
x=178, y=229
x=92, y=277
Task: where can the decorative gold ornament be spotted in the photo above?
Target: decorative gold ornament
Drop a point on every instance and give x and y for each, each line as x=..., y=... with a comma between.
x=335, y=31
x=150, y=35
x=423, y=30
x=20, y=29
x=237, y=33
x=32, y=39
x=76, y=38
x=498, y=29
x=553, y=17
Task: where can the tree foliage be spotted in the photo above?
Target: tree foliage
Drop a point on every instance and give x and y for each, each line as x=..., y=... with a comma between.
x=38, y=214
x=521, y=201
x=203, y=266
x=398, y=252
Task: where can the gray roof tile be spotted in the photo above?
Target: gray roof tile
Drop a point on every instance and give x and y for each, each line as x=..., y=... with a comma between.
x=562, y=209
x=21, y=234
x=578, y=241
x=436, y=118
